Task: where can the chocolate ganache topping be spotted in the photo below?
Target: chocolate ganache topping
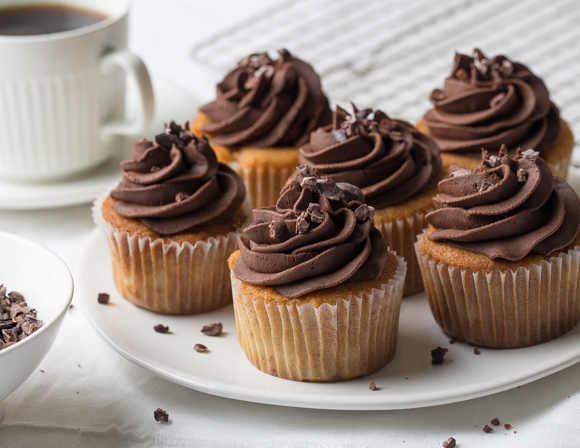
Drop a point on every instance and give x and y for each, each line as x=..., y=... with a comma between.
x=388, y=159
x=267, y=103
x=506, y=208
x=176, y=183
x=489, y=102
x=318, y=235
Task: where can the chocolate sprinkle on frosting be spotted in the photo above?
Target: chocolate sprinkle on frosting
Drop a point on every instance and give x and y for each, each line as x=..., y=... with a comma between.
x=265, y=103
x=389, y=160
x=507, y=211
x=337, y=246
x=187, y=188
x=487, y=102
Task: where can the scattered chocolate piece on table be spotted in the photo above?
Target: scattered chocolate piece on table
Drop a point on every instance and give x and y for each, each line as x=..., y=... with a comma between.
x=213, y=329
x=103, y=298
x=452, y=340
x=507, y=426
x=437, y=355
x=71, y=306
x=495, y=421
x=200, y=348
x=487, y=429
x=476, y=351
x=161, y=328
x=373, y=386
x=17, y=319
x=450, y=443
x=160, y=415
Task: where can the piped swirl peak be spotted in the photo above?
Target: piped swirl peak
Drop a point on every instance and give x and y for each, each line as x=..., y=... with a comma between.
x=486, y=102
x=176, y=183
x=318, y=235
x=388, y=159
x=506, y=207
x=266, y=103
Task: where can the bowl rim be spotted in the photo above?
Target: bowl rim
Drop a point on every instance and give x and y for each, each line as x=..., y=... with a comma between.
x=70, y=291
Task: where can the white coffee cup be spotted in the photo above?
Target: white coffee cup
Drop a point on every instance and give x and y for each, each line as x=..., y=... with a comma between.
x=62, y=95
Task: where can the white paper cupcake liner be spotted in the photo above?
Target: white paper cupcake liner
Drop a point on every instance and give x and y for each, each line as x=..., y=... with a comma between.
x=263, y=182
x=330, y=342
x=505, y=309
x=401, y=236
x=170, y=278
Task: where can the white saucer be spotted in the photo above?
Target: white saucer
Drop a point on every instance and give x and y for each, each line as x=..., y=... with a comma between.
x=408, y=381
x=171, y=103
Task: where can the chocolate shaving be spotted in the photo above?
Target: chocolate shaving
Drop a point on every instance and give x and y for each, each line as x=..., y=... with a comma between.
x=17, y=320
x=507, y=426
x=450, y=443
x=438, y=355
x=302, y=224
x=373, y=386
x=103, y=298
x=364, y=212
x=495, y=421
x=212, y=329
x=353, y=189
x=453, y=340
x=277, y=229
x=328, y=188
x=160, y=415
x=487, y=429
x=476, y=351
x=315, y=213
x=161, y=328
x=530, y=154
x=306, y=171
x=200, y=348
x=309, y=183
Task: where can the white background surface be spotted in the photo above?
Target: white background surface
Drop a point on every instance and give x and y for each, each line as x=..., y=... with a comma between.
x=116, y=399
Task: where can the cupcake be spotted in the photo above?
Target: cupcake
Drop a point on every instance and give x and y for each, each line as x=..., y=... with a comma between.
x=501, y=256
x=316, y=291
x=396, y=167
x=489, y=102
x=171, y=224
x=265, y=109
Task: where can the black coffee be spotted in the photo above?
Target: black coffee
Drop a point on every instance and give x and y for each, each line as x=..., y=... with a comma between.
x=45, y=19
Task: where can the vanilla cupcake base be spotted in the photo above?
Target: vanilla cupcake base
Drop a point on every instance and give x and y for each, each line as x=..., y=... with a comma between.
x=509, y=309
x=334, y=340
x=170, y=278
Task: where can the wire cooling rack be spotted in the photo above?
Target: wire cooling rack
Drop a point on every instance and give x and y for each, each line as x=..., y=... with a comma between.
x=391, y=53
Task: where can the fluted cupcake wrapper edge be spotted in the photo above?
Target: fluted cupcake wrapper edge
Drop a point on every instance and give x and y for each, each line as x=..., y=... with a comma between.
x=504, y=309
x=401, y=236
x=330, y=342
x=170, y=278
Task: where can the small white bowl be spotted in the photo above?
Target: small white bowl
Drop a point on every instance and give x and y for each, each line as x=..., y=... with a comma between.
x=47, y=285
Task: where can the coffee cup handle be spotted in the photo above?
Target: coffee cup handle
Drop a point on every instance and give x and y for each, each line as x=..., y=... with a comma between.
x=136, y=72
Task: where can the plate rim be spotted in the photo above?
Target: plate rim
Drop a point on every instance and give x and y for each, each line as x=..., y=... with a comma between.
x=303, y=400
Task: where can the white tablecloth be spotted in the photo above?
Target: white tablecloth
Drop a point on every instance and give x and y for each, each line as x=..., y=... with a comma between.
x=88, y=395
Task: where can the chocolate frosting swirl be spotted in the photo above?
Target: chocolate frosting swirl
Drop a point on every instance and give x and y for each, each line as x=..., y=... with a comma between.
x=506, y=208
x=176, y=183
x=388, y=159
x=489, y=102
x=318, y=235
x=267, y=103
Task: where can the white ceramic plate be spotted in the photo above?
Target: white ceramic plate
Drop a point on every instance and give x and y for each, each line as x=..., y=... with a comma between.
x=408, y=381
x=171, y=103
